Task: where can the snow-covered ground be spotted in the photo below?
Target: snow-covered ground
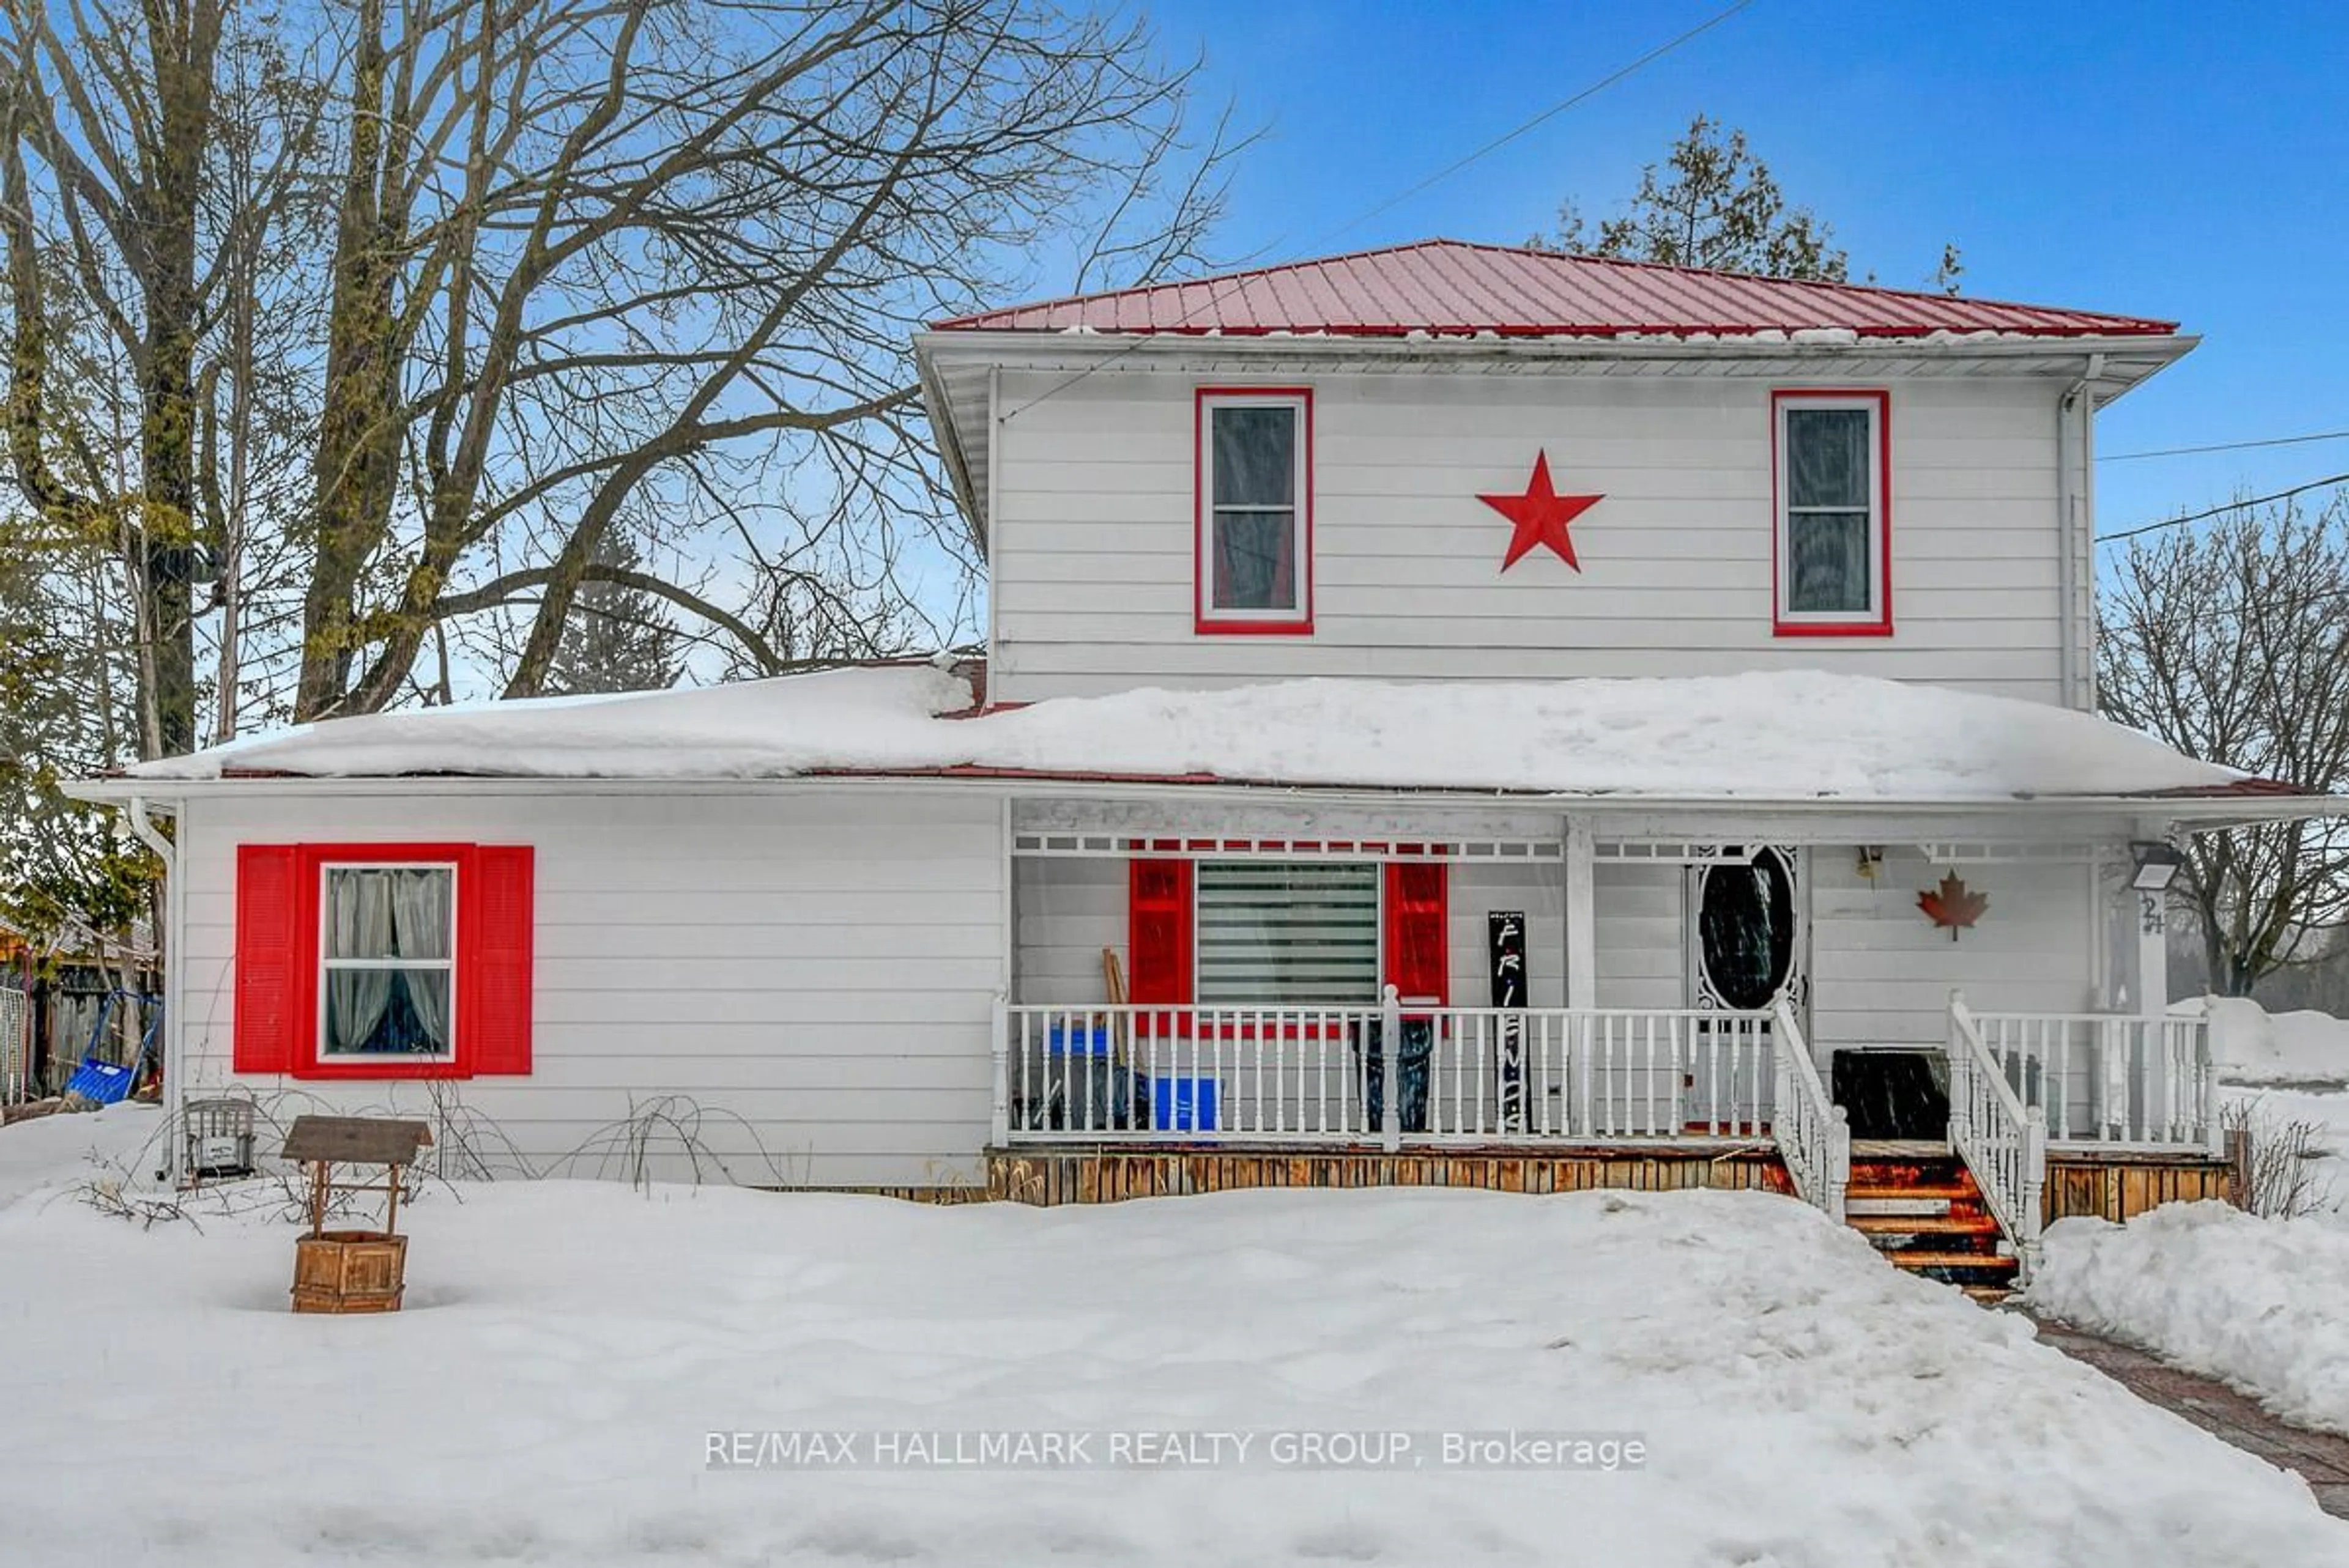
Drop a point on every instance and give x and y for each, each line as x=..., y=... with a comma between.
x=2261, y=1303
x=2253, y=1046
x=570, y=1346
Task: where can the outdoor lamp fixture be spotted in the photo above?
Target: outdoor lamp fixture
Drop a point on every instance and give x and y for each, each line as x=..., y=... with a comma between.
x=2156, y=867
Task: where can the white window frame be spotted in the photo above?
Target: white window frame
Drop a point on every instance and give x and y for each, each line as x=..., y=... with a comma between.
x=1299, y=616
x=1378, y=921
x=1877, y=616
x=328, y=964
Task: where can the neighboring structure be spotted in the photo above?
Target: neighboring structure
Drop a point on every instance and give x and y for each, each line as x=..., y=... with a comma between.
x=1047, y=927
x=63, y=999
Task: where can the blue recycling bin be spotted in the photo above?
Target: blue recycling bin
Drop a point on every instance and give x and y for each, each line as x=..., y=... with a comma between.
x=1182, y=1105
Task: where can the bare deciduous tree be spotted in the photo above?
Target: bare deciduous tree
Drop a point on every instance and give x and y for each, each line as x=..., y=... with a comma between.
x=663, y=258
x=2232, y=644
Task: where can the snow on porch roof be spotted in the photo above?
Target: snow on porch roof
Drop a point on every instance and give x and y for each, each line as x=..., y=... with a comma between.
x=1453, y=287
x=1790, y=735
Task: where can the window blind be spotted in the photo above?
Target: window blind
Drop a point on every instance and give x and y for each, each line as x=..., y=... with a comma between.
x=1288, y=933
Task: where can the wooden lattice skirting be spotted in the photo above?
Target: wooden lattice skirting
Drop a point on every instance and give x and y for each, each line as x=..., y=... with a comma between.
x=2116, y=1189
x=1047, y=1177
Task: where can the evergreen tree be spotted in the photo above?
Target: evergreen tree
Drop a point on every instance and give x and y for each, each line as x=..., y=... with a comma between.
x=617, y=637
x=1712, y=203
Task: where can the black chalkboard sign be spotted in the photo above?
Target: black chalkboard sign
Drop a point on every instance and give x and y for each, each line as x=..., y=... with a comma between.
x=1506, y=948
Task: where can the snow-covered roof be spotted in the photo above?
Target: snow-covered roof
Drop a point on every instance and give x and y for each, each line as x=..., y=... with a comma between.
x=1779, y=736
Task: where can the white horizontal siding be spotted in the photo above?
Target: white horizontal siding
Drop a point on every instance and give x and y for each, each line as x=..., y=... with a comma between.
x=800, y=986
x=1639, y=935
x=1882, y=971
x=1092, y=544
x=1538, y=892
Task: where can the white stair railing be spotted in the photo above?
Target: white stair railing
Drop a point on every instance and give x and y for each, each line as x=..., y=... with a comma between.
x=1813, y=1135
x=2003, y=1142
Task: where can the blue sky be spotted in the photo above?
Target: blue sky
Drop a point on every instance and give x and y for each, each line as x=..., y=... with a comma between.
x=2183, y=161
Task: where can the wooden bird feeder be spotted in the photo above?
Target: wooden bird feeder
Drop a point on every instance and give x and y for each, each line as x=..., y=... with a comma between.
x=352, y=1270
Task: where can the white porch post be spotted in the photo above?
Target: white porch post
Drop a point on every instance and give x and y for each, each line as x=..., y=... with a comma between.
x=999, y=1048
x=1581, y=931
x=2152, y=919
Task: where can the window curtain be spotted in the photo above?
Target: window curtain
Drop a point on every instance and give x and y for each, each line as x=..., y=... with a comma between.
x=1828, y=507
x=360, y=927
x=386, y=913
x=419, y=913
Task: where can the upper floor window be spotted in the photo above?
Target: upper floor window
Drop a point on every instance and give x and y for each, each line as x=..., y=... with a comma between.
x=1834, y=517
x=1255, y=509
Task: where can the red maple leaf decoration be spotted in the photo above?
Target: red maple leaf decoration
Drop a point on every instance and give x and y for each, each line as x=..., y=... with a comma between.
x=1541, y=515
x=1953, y=904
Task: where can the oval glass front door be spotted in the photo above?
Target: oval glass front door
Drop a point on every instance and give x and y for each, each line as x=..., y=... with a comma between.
x=1745, y=930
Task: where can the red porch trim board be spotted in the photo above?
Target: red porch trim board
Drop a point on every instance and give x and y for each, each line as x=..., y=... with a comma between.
x=1881, y=624
x=1202, y=623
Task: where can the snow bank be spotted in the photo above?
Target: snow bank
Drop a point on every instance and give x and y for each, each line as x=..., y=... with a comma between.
x=569, y=1346
x=46, y=1154
x=2253, y=1046
x=1789, y=735
x=2259, y=1302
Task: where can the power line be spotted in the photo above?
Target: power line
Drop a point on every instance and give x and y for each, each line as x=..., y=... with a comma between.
x=2225, y=447
x=1449, y=169
x=1214, y=295
x=2223, y=511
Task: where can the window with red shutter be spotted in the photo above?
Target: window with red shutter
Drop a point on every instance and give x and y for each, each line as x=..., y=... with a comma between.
x=1158, y=933
x=1418, y=959
x=383, y=961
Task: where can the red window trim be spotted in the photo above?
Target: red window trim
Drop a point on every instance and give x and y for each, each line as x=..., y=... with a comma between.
x=1880, y=626
x=1203, y=623
x=310, y=861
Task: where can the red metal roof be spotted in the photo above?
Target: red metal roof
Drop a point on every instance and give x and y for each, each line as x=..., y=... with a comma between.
x=1450, y=287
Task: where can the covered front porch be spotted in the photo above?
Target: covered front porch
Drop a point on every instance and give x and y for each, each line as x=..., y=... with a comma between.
x=1247, y=982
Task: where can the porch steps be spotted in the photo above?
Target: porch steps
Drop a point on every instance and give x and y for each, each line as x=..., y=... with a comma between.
x=1917, y=1203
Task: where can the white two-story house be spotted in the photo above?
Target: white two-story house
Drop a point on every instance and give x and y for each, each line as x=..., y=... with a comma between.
x=1451, y=713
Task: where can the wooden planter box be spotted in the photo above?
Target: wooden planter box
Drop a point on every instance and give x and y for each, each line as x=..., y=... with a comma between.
x=349, y=1271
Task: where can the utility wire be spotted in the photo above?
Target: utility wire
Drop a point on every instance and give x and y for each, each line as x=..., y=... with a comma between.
x=1216, y=295
x=2222, y=511
x=1559, y=107
x=2225, y=447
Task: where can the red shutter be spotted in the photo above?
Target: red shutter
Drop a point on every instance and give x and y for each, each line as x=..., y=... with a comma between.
x=269, y=957
x=1158, y=933
x=494, y=961
x=1419, y=963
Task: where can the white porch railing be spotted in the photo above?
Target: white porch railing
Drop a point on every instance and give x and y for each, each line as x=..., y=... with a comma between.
x=1813, y=1134
x=2110, y=1080
x=1467, y=1076
x=2002, y=1141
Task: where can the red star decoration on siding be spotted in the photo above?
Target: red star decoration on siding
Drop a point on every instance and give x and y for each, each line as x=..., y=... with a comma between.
x=1541, y=515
